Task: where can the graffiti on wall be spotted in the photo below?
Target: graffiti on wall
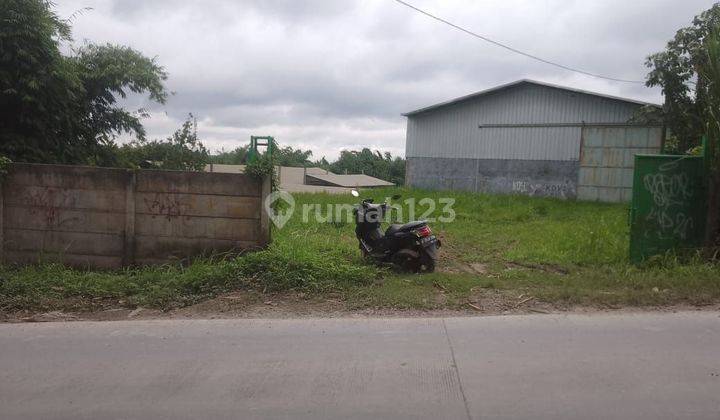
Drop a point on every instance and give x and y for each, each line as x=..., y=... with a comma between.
x=48, y=203
x=670, y=191
x=167, y=205
x=544, y=189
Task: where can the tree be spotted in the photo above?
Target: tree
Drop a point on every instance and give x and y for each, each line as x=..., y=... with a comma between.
x=376, y=164
x=283, y=156
x=709, y=75
x=287, y=156
x=675, y=70
x=365, y=161
x=181, y=151
x=689, y=74
x=63, y=109
x=233, y=157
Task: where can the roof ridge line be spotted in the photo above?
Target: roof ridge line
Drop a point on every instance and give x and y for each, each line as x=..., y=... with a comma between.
x=519, y=82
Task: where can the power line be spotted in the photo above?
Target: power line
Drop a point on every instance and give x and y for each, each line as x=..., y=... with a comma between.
x=509, y=48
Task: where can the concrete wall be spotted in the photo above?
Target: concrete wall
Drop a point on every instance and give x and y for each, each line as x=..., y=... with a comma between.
x=539, y=178
x=602, y=171
x=108, y=218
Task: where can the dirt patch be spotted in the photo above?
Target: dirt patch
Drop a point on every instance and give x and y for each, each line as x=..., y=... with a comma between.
x=454, y=266
x=231, y=305
x=493, y=301
x=549, y=268
x=254, y=305
x=483, y=302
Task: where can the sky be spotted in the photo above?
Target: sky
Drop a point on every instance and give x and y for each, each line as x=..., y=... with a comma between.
x=328, y=75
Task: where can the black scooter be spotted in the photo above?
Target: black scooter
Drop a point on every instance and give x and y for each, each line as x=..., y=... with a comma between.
x=410, y=246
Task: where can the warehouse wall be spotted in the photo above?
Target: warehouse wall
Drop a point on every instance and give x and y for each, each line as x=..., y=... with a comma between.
x=529, y=139
x=499, y=176
x=109, y=218
x=522, y=122
x=601, y=172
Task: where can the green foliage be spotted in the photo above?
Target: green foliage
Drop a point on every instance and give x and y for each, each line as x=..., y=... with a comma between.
x=376, y=164
x=63, y=109
x=261, y=167
x=238, y=156
x=278, y=269
x=283, y=156
x=675, y=71
x=709, y=73
x=689, y=73
x=4, y=165
x=288, y=266
x=182, y=151
x=52, y=285
x=288, y=156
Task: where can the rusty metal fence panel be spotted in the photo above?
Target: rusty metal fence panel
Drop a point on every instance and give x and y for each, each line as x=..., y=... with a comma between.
x=109, y=218
x=607, y=158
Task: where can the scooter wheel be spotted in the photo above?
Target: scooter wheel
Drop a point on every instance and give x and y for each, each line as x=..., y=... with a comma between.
x=427, y=266
x=407, y=260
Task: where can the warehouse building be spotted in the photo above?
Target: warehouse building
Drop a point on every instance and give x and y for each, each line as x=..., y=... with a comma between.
x=529, y=137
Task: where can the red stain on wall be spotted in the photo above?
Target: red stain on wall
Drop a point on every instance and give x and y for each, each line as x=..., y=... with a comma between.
x=167, y=205
x=44, y=202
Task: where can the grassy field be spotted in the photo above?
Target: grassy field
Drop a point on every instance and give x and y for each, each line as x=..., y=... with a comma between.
x=500, y=251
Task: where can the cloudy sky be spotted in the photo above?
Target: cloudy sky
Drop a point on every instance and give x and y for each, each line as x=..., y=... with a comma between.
x=328, y=75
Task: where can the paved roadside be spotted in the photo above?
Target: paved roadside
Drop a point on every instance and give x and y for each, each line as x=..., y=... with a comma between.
x=649, y=365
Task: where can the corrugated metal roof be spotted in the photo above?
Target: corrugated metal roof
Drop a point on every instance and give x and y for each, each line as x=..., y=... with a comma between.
x=521, y=82
x=530, y=121
x=294, y=174
x=293, y=178
x=351, y=180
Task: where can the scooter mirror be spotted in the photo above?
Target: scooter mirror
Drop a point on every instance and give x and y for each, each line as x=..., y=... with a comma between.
x=396, y=197
x=355, y=193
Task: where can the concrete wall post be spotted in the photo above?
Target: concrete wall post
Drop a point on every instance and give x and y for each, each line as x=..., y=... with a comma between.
x=264, y=216
x=129, y=237
x=2, y=236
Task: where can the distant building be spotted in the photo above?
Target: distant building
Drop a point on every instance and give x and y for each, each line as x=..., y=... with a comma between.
x=348, y=181
x=532, y=138
x=293, y=179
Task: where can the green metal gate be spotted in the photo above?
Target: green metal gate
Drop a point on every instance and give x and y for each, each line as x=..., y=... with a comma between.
x=668, y=204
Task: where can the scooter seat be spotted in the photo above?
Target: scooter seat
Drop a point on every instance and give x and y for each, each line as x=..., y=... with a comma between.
x=392, y=229
x=396, y=227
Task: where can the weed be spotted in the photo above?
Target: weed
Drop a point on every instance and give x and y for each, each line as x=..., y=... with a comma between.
x=565, y=252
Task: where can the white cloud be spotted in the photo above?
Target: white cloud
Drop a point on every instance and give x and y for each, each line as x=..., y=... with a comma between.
x=328, y=75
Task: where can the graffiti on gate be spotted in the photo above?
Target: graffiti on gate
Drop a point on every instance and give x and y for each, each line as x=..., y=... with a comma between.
x=670, y=191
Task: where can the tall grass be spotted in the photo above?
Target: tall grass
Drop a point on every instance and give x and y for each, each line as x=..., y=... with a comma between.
x=578, y=251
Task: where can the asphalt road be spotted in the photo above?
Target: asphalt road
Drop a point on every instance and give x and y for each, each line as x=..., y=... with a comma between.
x=642, y=366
